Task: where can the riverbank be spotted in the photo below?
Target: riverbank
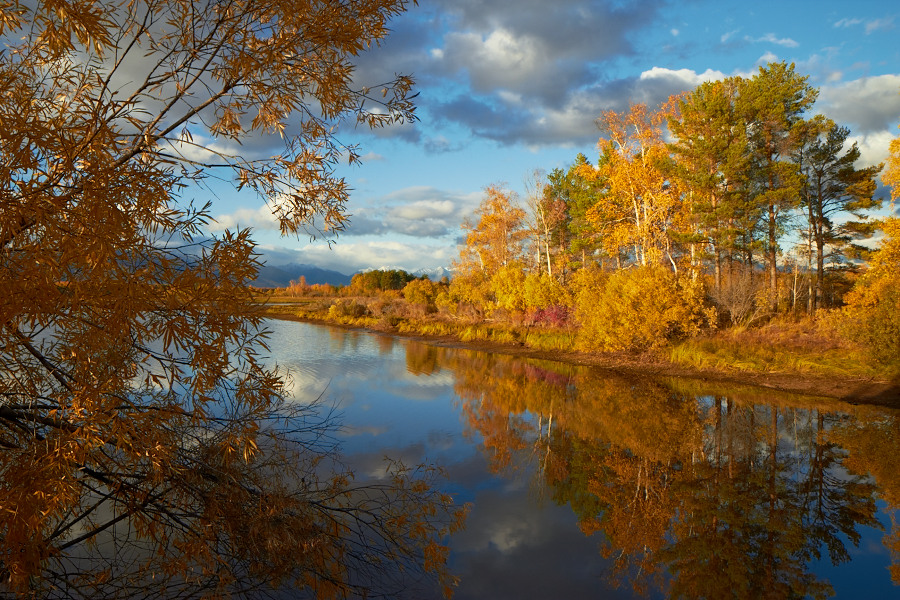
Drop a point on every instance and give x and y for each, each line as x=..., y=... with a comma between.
x=844, y=386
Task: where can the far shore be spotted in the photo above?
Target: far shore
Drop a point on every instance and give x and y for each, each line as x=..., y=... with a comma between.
x=850, y=390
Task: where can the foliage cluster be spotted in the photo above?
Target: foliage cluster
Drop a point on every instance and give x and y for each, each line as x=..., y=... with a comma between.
x=641, y=308
x=147, y=448
x=668, y=236
x=873, y=305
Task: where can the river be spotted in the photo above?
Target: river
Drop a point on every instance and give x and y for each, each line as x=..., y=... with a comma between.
x=585, y=484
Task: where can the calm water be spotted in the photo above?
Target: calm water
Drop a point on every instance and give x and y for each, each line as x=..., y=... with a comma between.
x=588, y=485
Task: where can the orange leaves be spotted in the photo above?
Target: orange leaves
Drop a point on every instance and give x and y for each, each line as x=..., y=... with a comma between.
x=135, y=407
x=891, y=176
x=637, y=211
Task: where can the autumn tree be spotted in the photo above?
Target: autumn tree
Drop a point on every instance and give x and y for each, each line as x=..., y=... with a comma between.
x=494, y=242
x=136, y=410
x=497, y=238
x=546, y=213
x=637, y=212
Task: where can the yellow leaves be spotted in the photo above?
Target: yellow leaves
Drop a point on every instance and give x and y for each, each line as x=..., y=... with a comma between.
x=891, y=176
x=134, y=389
x=639, y=308
x=496, y=239
x=636, y=213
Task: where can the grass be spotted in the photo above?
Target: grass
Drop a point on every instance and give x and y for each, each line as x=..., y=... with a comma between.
x=806, y=346
x=802, y=346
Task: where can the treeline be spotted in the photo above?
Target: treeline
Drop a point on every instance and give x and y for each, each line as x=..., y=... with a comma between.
x=726, y=205
x=361, y=284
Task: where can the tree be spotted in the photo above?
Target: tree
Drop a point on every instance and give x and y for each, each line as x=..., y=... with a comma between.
x=872, y=311
x=497, y=238
x=135, y=405
x=771, y=104
x=891, y=175
x=574, y=192
x=710, y=159
x=833, y=186
x=547, y=218
x=641, y=201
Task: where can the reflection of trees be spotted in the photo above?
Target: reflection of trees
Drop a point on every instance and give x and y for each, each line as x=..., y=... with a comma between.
x=214, y=519
x=421, y=359
x=706, y=497
x=874, y=446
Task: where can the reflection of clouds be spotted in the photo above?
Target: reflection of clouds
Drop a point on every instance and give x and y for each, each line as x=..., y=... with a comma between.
x=305, y=385
x=375, y=465
x=355, y=430
x=502, y=521
x=514, y=547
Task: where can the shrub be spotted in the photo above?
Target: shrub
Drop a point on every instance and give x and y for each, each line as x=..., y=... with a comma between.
x=347, y=308
x=422, y=293
x=871, y=316
x=638, y=309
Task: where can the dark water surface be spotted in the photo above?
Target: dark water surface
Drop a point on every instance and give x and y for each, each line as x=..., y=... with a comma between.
x=585, y=484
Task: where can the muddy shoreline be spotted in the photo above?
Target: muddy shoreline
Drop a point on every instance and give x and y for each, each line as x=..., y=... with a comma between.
x=853, y=391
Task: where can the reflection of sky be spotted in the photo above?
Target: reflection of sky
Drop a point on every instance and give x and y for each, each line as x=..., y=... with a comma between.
x=517, y=542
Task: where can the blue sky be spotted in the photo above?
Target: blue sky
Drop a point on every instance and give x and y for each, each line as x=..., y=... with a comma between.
x=510, y=86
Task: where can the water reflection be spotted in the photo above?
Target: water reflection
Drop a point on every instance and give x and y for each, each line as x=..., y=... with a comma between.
x=586, y=484
x=715, y=496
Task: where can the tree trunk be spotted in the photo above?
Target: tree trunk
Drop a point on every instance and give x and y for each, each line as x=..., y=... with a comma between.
x=773, y=257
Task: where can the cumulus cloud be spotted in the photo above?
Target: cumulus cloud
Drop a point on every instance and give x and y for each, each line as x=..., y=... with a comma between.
x=867, y=105
x=573, y=122
x=520, y=46
x=259, y=218
x=420, y=211
x=349, y=257
x=873, y=148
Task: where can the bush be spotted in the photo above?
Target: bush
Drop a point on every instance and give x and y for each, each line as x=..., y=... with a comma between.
x=543, y=291
x=639, y=309
x=871, y=316
x=422, y=293
x=347, y=308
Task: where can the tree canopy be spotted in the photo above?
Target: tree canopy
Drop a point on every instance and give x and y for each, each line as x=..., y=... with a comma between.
x=145, y=443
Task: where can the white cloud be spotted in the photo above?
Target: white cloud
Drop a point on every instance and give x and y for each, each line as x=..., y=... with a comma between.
x=771, y=38
x=499, y=59
x=349, y=257
x=877, y=24
x=260, y=218
x=727, y=36
x=848, y=22
x=869, y=105
x=681, y=77
x=873, y=148
x=424, y=209
x=870, y=25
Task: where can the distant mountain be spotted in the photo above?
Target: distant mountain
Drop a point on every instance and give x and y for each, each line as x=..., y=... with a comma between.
x=282, y=275
x=434, y=274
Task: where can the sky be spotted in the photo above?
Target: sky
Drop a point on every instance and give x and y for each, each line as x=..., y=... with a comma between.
x=510, y=86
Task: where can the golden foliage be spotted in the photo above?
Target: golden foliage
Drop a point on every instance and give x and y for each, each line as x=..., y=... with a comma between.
x=641, y=201
x=639, y=308
x=135, y=409
x=891, y=176
x=872, y=311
